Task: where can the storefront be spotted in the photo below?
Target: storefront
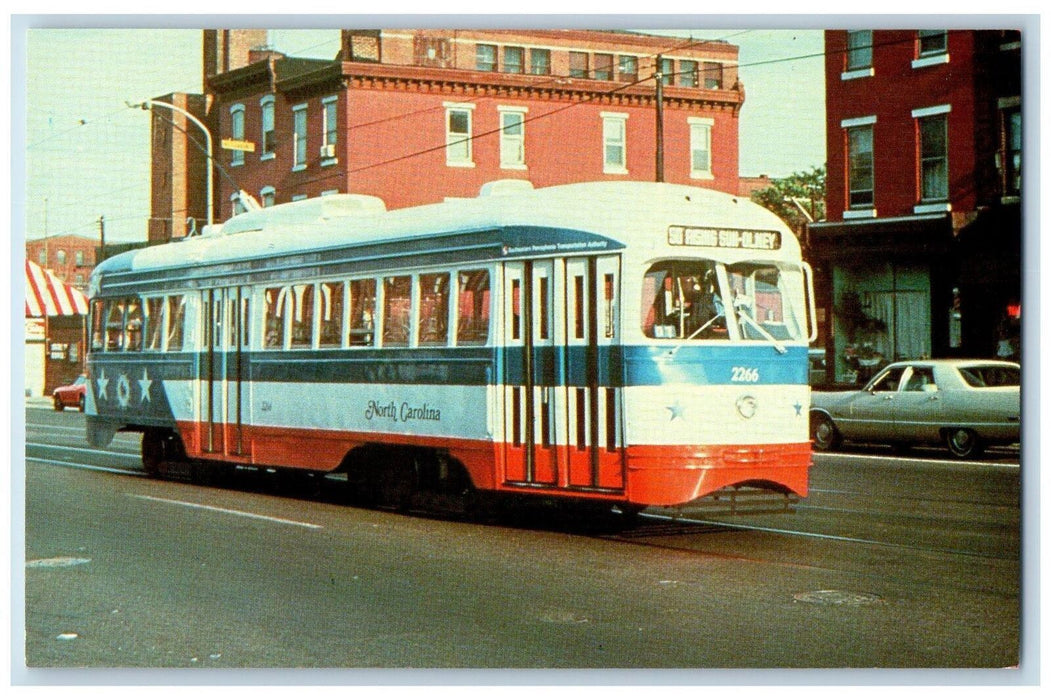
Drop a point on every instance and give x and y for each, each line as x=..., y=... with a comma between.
x=55, y=331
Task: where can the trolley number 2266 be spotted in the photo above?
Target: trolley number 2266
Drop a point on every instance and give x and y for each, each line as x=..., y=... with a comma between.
x=745, y=374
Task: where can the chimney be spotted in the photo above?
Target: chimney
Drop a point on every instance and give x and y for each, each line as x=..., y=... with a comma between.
x=229, y=49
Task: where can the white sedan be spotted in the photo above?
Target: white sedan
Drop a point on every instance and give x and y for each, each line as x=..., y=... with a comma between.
x=964, y=404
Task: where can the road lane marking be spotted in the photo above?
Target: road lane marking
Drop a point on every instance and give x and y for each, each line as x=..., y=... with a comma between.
x=228, y=511
x=86, y=467
x=66, y=448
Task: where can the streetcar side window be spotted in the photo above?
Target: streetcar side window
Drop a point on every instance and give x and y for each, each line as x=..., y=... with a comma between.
x=98, y=325
x=434, y=309
x=397, y=310
x=133, y=326
x=362, y=323
x=330, y=310
x=114, y=325
x=176, y=321
x=154, y=323
x=274, y=308
x=302, y=315
x=472, y=327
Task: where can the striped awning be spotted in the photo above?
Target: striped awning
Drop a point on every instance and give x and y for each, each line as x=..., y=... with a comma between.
x=47, y=295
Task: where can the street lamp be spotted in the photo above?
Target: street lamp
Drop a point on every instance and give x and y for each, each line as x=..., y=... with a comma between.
x=208, y=140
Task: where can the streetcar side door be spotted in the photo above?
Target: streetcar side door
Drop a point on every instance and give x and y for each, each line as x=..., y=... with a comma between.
x=531, y=452
x=224, y=395
x=593, y=379
x=562, y=374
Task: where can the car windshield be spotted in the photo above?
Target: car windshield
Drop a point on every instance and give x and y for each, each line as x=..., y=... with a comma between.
x=991, y=375
x=687, y=300
x=80, y=380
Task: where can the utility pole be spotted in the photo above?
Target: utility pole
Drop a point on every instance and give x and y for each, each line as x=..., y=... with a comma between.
x=102, y=238
x=659, y=77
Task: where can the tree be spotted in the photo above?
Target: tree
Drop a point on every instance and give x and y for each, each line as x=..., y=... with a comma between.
x=789, y=197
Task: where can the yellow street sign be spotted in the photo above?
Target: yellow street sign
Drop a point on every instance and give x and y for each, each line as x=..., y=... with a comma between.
x=235, y=145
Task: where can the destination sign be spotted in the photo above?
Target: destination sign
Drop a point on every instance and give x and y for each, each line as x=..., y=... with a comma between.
x=745, y=239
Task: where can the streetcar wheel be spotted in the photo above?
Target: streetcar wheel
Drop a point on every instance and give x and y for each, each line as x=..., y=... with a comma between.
x=159, y=447
x=823, y=432
x=963, y=443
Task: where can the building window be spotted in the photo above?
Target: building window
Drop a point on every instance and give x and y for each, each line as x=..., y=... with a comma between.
x=512, y=137
x=688, y=73
x=237, y=132
x=266, y=196
x=42, y=257
x=614, y=143
x=629, y=69
x=667, y=71
x=1012, y=157
x=701, y=147
x=540, y=61
x=713, y=75
x=603, y=66
x=514, y=59
x=860, y=180
x=266, y=137
x=237, y=205
x=329, y=137
x=931, y=41
x=578, y=64
x=933, y=131
x=79, y=257
x=932, y=48
x=485, y=57
x=859, y=50
x=60, y=257
x=458, y=134
x=299, y=137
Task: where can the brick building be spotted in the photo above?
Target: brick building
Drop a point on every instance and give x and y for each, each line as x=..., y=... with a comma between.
x=920, y=252
x=415, y=116
x=70, y=258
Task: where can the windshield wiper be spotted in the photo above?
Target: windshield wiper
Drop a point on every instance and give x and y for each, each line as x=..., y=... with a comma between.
x=762, y=331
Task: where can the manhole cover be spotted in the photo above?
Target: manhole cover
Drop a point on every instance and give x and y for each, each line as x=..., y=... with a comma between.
x=55, y=562
x=838, y=598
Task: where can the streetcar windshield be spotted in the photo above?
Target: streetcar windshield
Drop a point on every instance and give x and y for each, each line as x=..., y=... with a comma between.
x=688, y=300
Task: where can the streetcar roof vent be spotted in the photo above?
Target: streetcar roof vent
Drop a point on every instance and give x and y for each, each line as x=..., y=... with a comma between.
x=509, y=186
x=305, y=211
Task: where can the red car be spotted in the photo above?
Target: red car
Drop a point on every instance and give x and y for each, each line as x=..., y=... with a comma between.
x=72, y=394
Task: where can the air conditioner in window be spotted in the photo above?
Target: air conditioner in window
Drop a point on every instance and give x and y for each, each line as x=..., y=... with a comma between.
x=328, y=150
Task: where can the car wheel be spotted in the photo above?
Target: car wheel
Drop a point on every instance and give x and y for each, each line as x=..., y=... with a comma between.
x=963, y=443
x=80, y=404
x=823, y=432
x=58, y=403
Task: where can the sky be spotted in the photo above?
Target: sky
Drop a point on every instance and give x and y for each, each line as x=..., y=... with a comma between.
x=87, y=152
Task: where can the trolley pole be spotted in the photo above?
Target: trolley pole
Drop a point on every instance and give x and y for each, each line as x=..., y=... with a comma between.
x=659, y=77
x=102, y=238
x=208, y=141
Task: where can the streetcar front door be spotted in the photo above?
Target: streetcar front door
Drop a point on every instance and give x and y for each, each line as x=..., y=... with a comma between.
x=224, y=394
x=562, y=374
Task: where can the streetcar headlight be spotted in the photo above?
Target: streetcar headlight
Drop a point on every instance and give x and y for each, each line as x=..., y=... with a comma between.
x=747, y=406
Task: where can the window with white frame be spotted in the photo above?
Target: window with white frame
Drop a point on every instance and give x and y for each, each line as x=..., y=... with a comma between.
x=329, y=135
x=237, y=132
x=237, y=205
x=859, y=50
x=932, y=48
x=458, y=134
x=512, y=137
x=860, y=175
x=933, y=148
x=266, y=137
x=701, y=147
x=299, y=137
x=614, y=142
x=266, y=196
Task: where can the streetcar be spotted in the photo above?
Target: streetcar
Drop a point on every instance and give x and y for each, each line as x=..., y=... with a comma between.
x=628, y=344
